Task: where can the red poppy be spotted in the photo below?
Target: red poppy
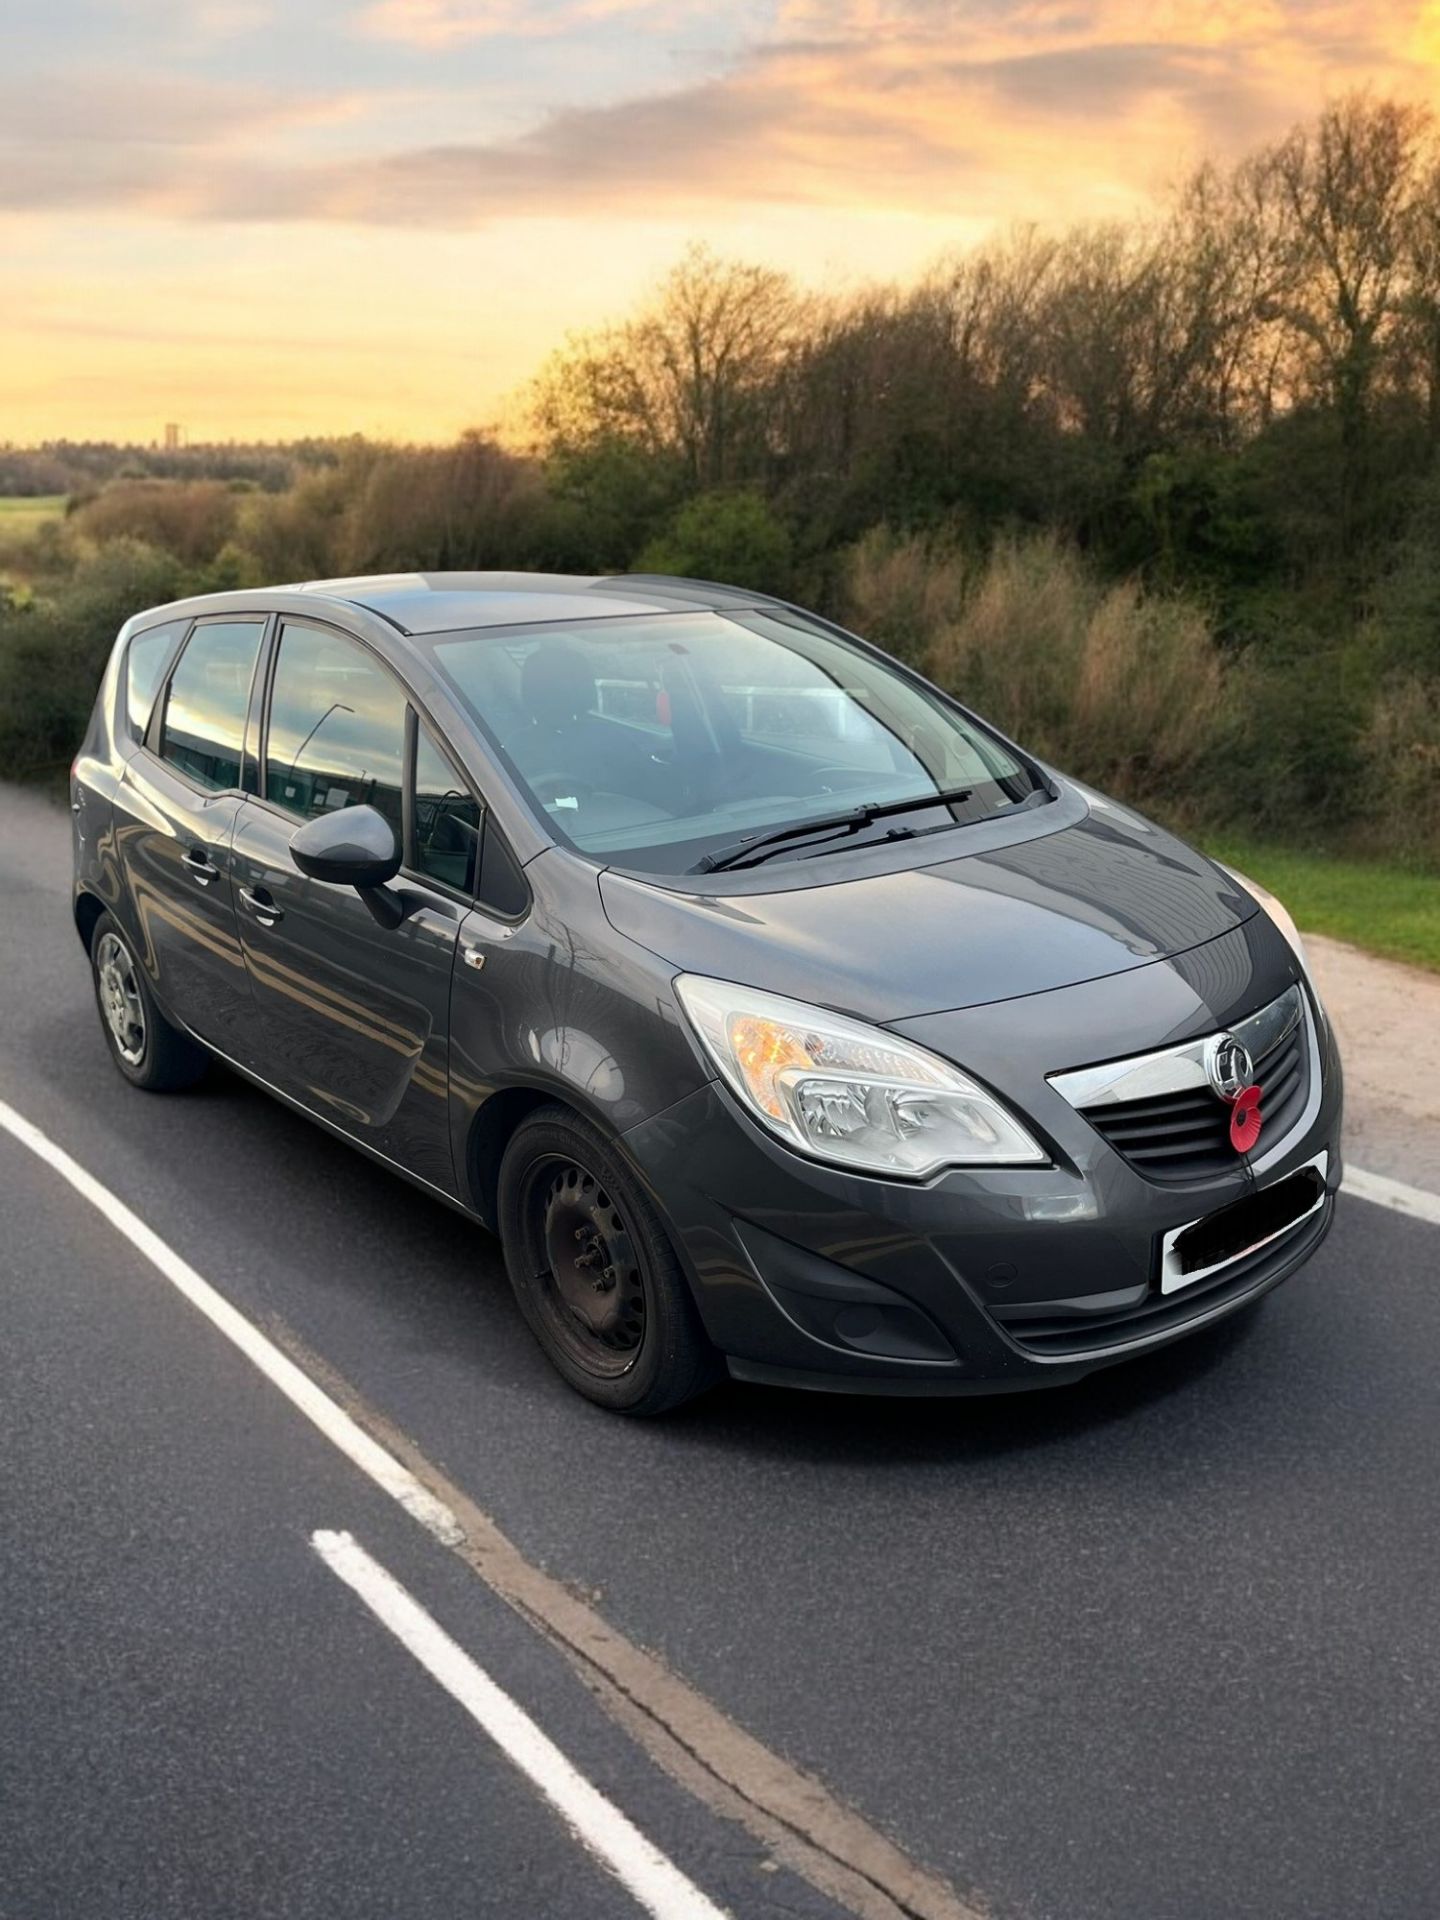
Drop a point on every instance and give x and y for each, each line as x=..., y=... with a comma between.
x=1245, y=1119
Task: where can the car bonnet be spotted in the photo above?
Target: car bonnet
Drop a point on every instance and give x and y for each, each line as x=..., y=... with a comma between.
x=1101, y=896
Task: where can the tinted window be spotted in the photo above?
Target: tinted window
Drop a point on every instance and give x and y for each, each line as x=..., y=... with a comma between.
x=654, y=741
x=337, y=727
x=447, y=820
x=145, y=661
x=205, y=709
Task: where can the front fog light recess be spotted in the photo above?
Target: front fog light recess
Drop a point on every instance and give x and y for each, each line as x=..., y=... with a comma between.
x=852, y=1094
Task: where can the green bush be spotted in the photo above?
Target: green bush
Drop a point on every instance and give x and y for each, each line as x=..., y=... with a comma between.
x=1399, y=758
x=1302, y=707
x=602, y=503
x=730, y=536
x=53, y=650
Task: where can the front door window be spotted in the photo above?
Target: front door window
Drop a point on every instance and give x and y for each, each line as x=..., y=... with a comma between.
x=337, y=727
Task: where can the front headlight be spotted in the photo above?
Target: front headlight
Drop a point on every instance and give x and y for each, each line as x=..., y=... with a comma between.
x=1284, y=924
x=842, y=1091
x=1277, y=911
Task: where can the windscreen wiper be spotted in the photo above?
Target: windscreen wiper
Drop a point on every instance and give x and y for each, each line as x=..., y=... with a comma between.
x=1037, y=796
x=757, y=847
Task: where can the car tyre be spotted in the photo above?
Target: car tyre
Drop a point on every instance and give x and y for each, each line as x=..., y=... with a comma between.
x=594, y=1271
x=149, y=1050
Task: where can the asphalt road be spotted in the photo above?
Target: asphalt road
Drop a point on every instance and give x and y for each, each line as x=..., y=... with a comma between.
x=1163, y=1646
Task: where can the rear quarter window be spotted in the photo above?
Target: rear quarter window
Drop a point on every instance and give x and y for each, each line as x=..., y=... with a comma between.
x=146, y=658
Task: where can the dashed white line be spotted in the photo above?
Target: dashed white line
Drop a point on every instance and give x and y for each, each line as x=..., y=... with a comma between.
x=792, y=1813
x=655, y=1881
x=850, y=1846
x=337, y=1426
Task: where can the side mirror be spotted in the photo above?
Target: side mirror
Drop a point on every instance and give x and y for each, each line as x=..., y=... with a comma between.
x=354, y=847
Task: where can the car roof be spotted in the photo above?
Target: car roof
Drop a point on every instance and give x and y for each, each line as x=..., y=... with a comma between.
x=418, y=603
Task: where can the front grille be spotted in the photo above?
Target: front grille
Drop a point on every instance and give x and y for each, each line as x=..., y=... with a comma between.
x=1177, y=1137
x=1042, y=1330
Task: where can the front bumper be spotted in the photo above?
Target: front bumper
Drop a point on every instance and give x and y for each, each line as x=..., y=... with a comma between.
x=978, y=1280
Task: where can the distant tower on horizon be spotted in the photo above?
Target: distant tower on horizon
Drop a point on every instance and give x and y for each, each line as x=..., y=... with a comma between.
x=174, y=436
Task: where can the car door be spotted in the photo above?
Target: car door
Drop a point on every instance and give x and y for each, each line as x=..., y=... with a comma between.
x=174, y=815
x=352, y=1018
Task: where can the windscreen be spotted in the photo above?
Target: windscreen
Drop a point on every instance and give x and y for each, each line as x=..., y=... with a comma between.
x=650, y=742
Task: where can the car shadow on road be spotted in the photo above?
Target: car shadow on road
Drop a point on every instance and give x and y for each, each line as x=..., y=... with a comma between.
x=868, y=1429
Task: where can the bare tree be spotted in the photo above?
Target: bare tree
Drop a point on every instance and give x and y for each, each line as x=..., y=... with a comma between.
x=934, y=393
x=1421, y=305
x=1347, y=189
x=1226, y=236
x=687, y=375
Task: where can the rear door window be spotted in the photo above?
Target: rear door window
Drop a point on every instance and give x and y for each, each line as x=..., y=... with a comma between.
x=203, y=731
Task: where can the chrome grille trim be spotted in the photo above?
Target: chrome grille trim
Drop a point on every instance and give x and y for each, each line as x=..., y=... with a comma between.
x=1275, y=1150
x=1181, y=1069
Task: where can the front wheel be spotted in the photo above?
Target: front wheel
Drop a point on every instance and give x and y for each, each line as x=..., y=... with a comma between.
x=150, y=1051
x=594, y=1271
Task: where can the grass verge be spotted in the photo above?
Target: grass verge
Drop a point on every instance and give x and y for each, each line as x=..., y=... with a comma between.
x=22, y=513
x=1389, y=910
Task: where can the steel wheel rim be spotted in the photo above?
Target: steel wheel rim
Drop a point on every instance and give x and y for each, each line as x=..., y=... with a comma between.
x=586, y=1268
x=121, y=1006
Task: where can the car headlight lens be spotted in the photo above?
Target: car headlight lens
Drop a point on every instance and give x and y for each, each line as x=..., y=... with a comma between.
x=1284, y=924
x=1277, y=911
x=849, y=1093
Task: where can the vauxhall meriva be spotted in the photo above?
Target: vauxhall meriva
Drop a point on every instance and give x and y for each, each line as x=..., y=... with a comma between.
x=780, y=1015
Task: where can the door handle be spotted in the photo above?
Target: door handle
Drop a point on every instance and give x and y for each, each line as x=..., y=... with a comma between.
x=261, y=905
x=201, y=869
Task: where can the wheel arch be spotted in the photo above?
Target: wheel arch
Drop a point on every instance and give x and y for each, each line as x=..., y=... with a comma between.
x=494, y=1123
x=490, y=1132
x=88, y=909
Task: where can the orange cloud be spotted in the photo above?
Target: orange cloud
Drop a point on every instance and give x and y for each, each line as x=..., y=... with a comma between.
x=1038, y=108
x=980, y=109
x=214, y=251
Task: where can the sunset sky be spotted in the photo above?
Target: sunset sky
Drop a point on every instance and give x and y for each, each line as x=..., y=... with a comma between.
x=263, y=220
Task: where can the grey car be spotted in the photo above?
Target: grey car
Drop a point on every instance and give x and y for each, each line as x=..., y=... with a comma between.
x=783, y=1018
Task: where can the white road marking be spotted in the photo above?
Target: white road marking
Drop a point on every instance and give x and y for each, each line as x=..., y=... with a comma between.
x=790, y=1812
x=1394, y=1194
x=656, y=1882
x=867, y=1861
x=332, y=1420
